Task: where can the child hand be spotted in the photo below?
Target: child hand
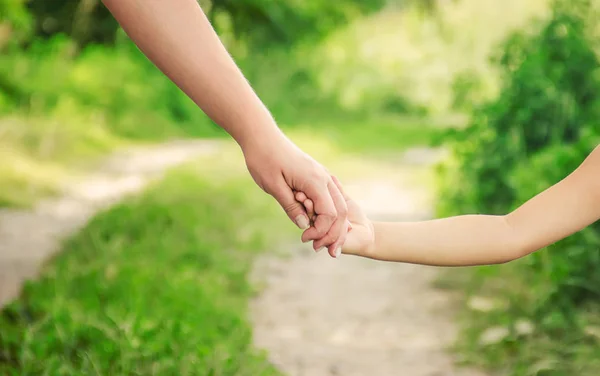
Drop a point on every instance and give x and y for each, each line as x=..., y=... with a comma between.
x=361, y=236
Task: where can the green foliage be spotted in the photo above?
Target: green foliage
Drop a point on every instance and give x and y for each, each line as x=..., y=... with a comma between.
x=259, y=22
x=407, y=58
x=539, y=129
x=549, y=97
x=68, y=95
x=84, y=21
x=153, y=286
x=74, y=57
x=269, y=21
x=15, y=22
x=61, y=105
x=112, y=84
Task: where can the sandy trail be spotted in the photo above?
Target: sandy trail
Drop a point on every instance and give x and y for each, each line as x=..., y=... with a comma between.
x=29, y=237
x=319, y=317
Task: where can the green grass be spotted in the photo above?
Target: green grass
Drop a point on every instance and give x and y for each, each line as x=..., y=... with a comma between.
x=560, y=345
x=157, y=285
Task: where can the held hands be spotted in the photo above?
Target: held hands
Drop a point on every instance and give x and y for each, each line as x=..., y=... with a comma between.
x=361, y=235
x=280, y=168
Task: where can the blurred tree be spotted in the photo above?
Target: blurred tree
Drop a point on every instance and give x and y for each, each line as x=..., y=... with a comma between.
x=15, y=22
x=85, y=21
x=539, y=129
x=255, y=21
x=270, y=21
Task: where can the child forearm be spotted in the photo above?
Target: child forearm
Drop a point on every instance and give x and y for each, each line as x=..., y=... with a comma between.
x=561, y=210
x=456, y=241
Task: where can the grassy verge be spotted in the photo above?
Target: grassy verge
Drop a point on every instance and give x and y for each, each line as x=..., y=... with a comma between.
x=35, y=153
x=38, y=153
x=504, y=329
x=156, y=285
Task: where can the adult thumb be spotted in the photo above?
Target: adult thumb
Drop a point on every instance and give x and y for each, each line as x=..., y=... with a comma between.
x=294, y=209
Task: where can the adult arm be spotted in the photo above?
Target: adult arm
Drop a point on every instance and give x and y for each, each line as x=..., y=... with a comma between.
x=178, y=38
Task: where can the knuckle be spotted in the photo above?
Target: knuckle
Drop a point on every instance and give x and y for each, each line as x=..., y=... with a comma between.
x=329, y=238
x=273, y=188
x=331, y=214
x=288, y=208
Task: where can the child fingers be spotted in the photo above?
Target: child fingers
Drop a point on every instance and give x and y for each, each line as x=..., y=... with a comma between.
x=300, y=197
x=308, y=204
x=310, y=209
x=319, y=244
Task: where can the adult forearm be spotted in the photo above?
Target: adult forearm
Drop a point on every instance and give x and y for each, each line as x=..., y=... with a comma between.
x=178, y=38
x=456, y=241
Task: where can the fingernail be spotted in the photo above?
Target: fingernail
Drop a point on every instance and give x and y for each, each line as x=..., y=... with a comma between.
x=338, y=252
x=320, y=248
x=302, y=222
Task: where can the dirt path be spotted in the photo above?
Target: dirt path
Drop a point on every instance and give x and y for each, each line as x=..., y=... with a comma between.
x=28, y=237
x=318, y=316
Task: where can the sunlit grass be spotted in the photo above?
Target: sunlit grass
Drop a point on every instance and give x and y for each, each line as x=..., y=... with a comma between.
x=24, y=179
x=36, y=153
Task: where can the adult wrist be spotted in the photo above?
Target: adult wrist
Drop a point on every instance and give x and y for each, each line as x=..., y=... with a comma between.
x=258, y=134
x=263, y=137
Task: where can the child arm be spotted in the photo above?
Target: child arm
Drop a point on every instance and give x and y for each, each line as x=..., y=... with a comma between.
x=561, y=210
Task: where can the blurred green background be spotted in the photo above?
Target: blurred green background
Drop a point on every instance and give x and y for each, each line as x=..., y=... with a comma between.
x=512, y=88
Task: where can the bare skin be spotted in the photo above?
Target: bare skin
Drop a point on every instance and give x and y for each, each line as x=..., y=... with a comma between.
x=560, y=211
x=178, y=38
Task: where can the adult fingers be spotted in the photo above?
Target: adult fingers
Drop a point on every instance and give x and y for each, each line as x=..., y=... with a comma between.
x=301, y=196
x=294, y=209
x=310, y=209
x=308, y=205
x=325, y=210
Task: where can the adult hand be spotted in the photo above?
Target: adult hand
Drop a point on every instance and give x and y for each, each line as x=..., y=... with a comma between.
x=280, y=168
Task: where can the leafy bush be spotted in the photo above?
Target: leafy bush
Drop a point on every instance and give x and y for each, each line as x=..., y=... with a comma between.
x=541, y=126
x=539, y=129
x=72, y=54
x=266, y=21
x=15, y=22
x=117, y=84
